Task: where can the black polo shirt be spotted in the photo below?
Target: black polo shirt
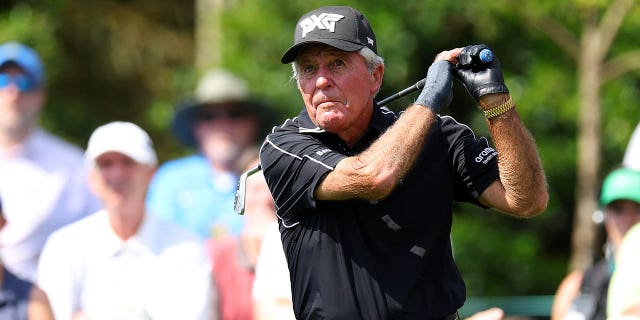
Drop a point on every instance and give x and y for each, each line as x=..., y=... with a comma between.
x=387, y=259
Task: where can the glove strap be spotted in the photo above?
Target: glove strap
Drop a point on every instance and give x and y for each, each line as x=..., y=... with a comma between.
x=502, y=108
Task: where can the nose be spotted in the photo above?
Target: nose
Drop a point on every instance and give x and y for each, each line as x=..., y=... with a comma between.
x=324, y=77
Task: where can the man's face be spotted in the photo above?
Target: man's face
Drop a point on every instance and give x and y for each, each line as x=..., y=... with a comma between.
x=620, y=216
x=224, y=132
x=19, y=109
x=119, y=181
x=337, y=88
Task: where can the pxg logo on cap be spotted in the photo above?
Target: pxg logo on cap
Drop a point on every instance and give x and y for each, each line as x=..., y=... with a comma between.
x=326, y=21
x=341, y=27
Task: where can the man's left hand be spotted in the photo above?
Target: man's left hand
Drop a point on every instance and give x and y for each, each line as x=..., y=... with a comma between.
x=479, y=78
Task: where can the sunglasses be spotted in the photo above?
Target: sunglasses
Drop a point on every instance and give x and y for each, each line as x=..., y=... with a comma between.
x=210, y=115
x=21, y=81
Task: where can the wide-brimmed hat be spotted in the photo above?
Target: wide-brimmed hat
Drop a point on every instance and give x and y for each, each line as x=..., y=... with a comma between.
x=219, y=87
x=622, y=183
x=341, y=27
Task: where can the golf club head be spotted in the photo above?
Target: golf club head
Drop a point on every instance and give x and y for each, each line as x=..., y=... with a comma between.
x=238, y=204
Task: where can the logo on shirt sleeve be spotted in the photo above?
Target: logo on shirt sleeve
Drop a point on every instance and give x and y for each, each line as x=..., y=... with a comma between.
x=486, y=155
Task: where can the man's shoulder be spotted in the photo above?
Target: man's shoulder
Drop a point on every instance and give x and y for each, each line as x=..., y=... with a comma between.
x=450, y=121
x=301, y=123
x=195, y=159
x=195, y=163
x=452, y=128
x=291, y=125
x=55, y=147
x=79, y=231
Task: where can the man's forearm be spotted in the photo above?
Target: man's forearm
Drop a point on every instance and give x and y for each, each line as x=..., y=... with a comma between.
x=519, y=164
x=376, y=171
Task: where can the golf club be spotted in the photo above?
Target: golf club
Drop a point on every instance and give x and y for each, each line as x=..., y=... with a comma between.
x=484, y=56
x=239, y=200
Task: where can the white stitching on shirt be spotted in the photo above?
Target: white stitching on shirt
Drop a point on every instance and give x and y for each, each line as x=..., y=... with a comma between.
x=298, y=157
x=419, y=251
x=390, y=223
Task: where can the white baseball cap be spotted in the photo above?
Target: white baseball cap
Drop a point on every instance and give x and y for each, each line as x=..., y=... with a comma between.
x=123, y=137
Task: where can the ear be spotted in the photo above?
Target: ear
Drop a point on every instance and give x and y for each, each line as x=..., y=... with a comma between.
x=377, y=75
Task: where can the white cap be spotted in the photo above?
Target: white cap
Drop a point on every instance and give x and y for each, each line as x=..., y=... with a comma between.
x=123, y=137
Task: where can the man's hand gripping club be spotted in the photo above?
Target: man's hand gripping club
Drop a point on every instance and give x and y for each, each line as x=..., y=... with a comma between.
x=479, y=78
x=437, y=91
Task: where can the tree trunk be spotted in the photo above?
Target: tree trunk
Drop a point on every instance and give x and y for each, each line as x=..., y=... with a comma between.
x=208, y=35
x=588, y=159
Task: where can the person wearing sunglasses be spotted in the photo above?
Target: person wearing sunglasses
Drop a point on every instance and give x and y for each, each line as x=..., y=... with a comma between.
x=224, y=124
x=42, y=177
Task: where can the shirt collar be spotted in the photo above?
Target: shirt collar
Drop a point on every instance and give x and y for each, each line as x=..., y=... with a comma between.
x=381, y=119
x=137, y=244
x=305, y=125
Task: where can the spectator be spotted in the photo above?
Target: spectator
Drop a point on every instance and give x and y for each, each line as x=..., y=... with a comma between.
x=624, y=290
x=582, y=295
x=42, y=177
x=235, y=257
x=224, y=124
x=20, y=299
x=272, y=287
x=121, y=263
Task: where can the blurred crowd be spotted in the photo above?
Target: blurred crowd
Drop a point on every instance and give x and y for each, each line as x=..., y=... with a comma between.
x=610, y=287
x=107, y=232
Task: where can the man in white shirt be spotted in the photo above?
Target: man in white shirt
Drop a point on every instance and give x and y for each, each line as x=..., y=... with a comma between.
x=42, y=177
x=122, y=263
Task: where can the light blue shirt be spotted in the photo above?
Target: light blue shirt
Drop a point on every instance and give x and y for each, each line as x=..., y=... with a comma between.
x=191, y=193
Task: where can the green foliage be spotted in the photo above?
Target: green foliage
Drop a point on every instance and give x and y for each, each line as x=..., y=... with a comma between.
x=132, y=60
x=497, y=255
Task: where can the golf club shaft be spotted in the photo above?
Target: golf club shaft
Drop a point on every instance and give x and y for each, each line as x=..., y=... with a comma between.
x=415, y=87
